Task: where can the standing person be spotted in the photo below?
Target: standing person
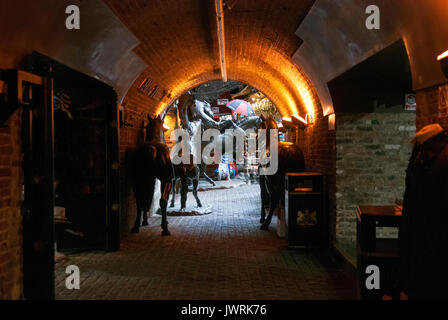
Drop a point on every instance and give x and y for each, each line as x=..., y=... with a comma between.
x=423, y=233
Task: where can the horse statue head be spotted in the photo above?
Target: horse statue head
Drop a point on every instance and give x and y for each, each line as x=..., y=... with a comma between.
x=268, y=124
x=185, y=99
x=155, y=129
x=208, y=109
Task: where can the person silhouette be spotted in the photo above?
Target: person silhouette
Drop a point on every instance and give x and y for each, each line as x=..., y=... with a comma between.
x=423, y=235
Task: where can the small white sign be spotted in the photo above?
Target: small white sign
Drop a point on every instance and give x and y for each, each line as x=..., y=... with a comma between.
x=222, y=102
x=411, y=102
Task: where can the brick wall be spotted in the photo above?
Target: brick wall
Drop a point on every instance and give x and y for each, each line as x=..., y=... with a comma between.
x=318, y=145
x=372, y=153
x=432, y=106
x=10, y=215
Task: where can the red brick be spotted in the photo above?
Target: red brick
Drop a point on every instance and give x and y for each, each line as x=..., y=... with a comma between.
x=4, y=225
x=5, y=172
x=5, y=150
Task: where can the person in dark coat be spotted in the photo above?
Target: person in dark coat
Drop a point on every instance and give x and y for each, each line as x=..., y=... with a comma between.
x=423, y=235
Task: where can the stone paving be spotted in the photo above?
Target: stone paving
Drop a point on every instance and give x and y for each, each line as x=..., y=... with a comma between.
x=222, y=255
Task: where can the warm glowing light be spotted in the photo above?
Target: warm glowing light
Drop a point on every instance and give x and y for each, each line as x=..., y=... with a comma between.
x=328, y=110
x=280, y=125
x=299, y=118
x=443, y=56
x=287, y=119
x=332, y=122
x=285, y=84
x=309, y=118
x=165, y=127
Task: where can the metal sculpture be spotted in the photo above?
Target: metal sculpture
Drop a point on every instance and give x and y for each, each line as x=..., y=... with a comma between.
x=186, y=172
x=192, y=111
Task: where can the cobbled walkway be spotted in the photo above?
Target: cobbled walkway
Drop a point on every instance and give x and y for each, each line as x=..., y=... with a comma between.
x=222, y=255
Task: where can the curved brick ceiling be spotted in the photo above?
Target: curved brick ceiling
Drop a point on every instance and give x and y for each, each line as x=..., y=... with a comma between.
x=178, y=42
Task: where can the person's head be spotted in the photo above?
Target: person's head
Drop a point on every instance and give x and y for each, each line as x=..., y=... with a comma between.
x=427, y=133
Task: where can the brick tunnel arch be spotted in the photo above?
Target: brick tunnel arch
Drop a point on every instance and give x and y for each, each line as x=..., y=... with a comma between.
x=287, y=87
x=181, y=50
x=283, y=94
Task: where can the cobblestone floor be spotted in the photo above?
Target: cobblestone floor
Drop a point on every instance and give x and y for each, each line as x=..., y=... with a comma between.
x=222, y=255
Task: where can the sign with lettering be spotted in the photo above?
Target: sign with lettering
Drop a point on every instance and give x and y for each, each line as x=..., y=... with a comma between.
x=222, y=102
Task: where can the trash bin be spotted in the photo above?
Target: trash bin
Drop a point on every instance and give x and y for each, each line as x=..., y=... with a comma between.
x=374, y=251
x=305, y=210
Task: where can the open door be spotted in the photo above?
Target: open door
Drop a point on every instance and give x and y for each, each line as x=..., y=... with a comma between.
x=86, y=167
x=34, y=95
x=71, y=165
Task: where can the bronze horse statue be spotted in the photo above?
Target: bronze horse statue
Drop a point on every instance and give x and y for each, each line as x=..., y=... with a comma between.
x=290, y=159
x=151, y=160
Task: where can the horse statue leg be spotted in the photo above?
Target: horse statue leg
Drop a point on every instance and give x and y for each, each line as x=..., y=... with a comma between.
x=195, y=190
x=202, y=168
x=145, y=219
x=136, y=227
x=264, y=198
x=183, y=192
x=140, y=207
x=173, y=192
x=274, y=193
x=165, y=189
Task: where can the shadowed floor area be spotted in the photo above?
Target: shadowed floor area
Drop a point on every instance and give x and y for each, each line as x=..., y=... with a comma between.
x=222, y=255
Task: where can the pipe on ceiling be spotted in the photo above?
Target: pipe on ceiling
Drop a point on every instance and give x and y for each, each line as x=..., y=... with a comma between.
x=221, y=38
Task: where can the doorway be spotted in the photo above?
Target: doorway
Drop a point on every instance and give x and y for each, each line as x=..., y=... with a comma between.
x=71, y=170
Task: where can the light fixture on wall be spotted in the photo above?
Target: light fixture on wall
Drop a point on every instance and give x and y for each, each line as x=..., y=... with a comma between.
x=287, y=122
x=281, y=127
x=309, y=118
x=332, y=122
x=299, y=120
x=443, y=59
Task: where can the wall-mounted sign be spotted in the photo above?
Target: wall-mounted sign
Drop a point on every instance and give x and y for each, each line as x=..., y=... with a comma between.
x=148, y=87
x=215, y=110
x=222, y=102
x=411, y=102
